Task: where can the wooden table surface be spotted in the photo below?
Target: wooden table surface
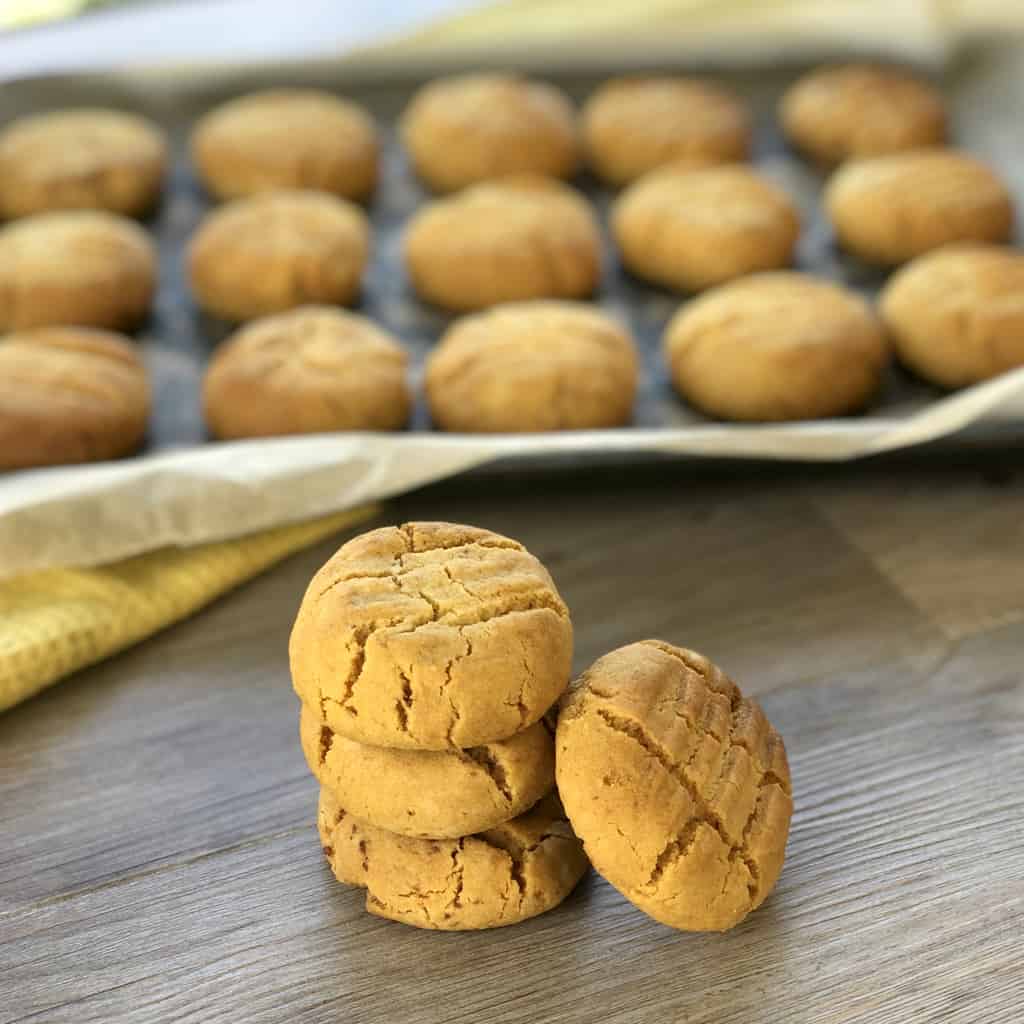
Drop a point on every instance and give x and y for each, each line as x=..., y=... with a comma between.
x=159, y=861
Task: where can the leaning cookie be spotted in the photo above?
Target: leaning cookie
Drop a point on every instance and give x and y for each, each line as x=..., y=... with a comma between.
x=278, y=250
x=431, y=794
x=498, y=877
x=81, y=159
x=287, y=138
x=430, y=636
x=956, y=315
x=505, y=241
x=470, y=128
x=532, y=366
x=676, y=783
x=83, y=267
x=70, y=394
x=310, y=370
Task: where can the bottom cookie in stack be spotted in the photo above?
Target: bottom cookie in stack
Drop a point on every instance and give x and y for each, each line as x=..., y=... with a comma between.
x=505, y=875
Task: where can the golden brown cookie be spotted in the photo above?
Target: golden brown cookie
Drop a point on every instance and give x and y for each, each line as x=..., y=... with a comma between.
x=632, y=125
x=532, y=366
x=889, y=209
x=69, y=394
x=692, y=228
x=470, y=128
x=676, y=783
x=278, y=250
x=778, y=346
x=505, y=875
x=311, y=370
x=287, y=138
x=431, y=793
x=83, y=267
x=857, y=110
x=430, y=636
x=81, y=159
x=956, y=316
x=523, y=238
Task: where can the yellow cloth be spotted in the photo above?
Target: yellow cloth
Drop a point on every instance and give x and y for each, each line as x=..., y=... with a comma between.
x=57, y=621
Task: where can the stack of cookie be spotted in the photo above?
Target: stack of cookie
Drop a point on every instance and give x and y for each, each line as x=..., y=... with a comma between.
x=425, y=657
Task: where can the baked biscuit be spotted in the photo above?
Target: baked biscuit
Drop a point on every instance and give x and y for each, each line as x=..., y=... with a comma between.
x=522, y=238
x=287, y=138
x=779, y=346
x=69, y=394
x=81, y=159
x=632, y=125
x=676, y=783
x=313, y=369
x=502, y=876
x=83, y=267
x=889, y=209
x=470, y=128
x=689, y=228
x=431, y=793
x=430, y=636
x=857, y=110
x=278, y=250
x=533, y=366
x=956, y=316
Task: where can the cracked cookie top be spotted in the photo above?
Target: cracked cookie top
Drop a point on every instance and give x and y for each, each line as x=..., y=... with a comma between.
x=431, y=636
x=676, y=783
x=432, y=793
x=502, y=876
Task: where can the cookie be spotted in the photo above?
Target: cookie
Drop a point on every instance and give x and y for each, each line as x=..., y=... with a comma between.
x=533, y=366
x=287, y=138
x=431, y=793
x=83, y=267
x=632, y=125
x=430, y=636
x=502, y=876
x=956, y=316
x=857, y=110
x=689, y=228
x=311, y=370
x=889, y=209
x=70, y=394
x=778, y=346
x=676, y=783
x=278, y=250
x=470, y=128
x=81, y=159
x=523, y=238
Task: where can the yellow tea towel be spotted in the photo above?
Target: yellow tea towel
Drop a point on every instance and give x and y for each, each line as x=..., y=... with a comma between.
x=59, y=620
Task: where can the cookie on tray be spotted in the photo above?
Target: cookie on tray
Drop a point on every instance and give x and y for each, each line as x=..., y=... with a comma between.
x=634, y=124
x=70, y=394
x=431, y=793
x=889, y=209
x=533, y=366
x=777, y=346
x=676, y=783
x=470, y=128
x=956, y=315
x=847, y=111
x=287, y=138
x=81, y=159
x=310, y=370
x=430, y=636
x=502, y=876
x=278, y=250
x=84, y=267
x=505, y=241
x=690, y=228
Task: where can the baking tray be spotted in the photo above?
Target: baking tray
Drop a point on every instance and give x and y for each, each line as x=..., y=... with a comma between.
x=986, y=95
